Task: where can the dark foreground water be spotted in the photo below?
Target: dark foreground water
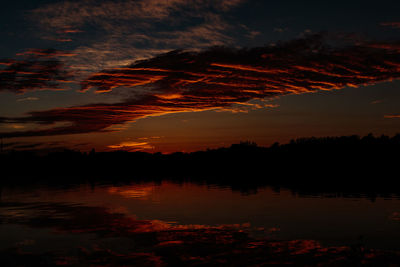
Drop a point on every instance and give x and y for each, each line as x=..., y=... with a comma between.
x=156, y=224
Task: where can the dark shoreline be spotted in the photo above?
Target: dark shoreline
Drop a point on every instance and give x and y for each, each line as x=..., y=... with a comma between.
x=334, y=165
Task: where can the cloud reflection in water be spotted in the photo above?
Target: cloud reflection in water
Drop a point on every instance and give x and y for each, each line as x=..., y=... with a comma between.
x=123, y=240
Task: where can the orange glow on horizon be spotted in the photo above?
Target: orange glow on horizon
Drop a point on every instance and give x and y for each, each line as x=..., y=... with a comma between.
x=132, y=146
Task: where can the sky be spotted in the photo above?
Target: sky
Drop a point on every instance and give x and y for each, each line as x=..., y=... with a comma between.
x=187, y=75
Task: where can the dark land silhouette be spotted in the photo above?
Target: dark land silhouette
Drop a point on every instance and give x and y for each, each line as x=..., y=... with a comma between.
x=342, y=166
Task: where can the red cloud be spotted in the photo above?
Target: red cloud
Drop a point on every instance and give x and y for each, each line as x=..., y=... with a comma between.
x=46, y=53
x=220, y=78
x=392, y=116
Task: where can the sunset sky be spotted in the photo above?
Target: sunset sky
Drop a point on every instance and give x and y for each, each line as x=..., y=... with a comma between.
x=186, y=75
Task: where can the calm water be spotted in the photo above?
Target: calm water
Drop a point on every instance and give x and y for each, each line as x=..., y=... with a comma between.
x=46, y=219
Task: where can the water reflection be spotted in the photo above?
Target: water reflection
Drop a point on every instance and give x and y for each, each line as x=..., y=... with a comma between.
x=150, y=224
x=121, y=240
x=137, y=191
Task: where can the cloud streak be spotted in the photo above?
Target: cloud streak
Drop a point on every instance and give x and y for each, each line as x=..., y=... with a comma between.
x=304, y=65
x=392, y=116
x=127, y=30
x=30, y=98
x=218, y=78
x=395, y=25
x=38, y=70
x=69, y=14
x=131, y=146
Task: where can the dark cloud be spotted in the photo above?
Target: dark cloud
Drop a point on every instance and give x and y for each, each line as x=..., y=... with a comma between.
x=27, y=146
x=12, y=144
x=98, y=117
x=221, y=78
x=37, y=70
x=393, y=24
x=37, y=146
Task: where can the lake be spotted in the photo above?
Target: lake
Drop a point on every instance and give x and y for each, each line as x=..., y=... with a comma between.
x=141, y=223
